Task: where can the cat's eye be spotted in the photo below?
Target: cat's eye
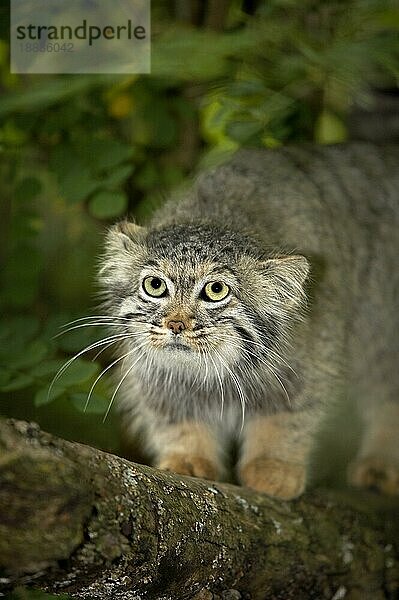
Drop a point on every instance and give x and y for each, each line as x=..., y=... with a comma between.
x=154, y=286
x=215, y=291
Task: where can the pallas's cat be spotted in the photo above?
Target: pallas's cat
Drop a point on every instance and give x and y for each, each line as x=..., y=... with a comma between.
x=259, y=298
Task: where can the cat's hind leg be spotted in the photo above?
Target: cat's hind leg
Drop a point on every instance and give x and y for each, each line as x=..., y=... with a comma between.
x=375, y=377
x=377, y=464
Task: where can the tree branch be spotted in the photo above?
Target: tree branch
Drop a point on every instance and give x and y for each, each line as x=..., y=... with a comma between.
x=78, y=520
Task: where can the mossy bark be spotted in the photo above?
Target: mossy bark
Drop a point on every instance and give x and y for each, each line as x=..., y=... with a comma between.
x=74, y=519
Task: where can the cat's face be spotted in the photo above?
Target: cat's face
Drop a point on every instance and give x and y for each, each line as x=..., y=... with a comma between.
x=199, y=297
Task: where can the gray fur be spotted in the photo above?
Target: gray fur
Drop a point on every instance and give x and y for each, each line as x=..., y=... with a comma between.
x=293, y=342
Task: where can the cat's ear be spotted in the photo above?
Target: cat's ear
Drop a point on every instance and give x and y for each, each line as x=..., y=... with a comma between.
x=287, y=275
x=125, y=234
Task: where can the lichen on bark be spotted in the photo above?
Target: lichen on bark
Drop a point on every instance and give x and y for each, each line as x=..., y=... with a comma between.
x=74, y=519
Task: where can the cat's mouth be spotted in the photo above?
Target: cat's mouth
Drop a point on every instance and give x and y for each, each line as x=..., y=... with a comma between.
x=170, y=342
x=177, y=345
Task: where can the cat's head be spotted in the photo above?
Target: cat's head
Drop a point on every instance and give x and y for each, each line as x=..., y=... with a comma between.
x=200, y=295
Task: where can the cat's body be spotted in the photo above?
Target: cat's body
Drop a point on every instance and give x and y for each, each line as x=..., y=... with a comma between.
x=273, y=344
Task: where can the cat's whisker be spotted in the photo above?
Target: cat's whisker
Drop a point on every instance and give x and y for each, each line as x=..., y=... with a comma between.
x=103, y=350
x=267, y=364
x=206, y=372
x=127, y=336
x=91, y=317
x=220, y=386
x=261, y=360
x=114, y=321
x=105, y=371
x=92, y=346
x=281, y=359
x=238, y=387
x=271, y=352
x=149, y=349
x=273, y=372
x=278, y=379
x=199, y=369
x=119, y=386
x=94, y=324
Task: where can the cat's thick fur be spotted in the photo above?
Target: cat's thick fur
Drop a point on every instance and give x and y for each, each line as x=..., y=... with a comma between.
x=306, y=241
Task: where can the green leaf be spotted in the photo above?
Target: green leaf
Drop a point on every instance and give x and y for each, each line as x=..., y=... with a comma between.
x=243, y=131
x=97, y=405
x=5, y=376
x=52, y=326
x=147, y=177
x=47, y=368
x=180, y=53
x=18, y=382
x=76, y=181
x=27, y=189
x=32, y=354
x=101, y=154
x=118, y=175
x=78, y=372
x=77, y=184
x=63, y=159
x=162, y=124
x=106, y=205
x=330, y=129
x=77, y=339
x=15, y=337
x=22, y=328
x=18, y=296
x=172, y=175
x=47, y=92
x=47, y=394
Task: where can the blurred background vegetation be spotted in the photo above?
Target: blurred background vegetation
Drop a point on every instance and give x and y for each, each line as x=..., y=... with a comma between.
x=78, y=152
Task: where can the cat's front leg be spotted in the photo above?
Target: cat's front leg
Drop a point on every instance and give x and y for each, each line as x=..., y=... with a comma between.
x=188, y=448
x=274, y=453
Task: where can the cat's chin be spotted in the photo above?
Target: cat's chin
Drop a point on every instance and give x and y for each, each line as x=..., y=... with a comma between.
x=172, y=345
x=172, y=356
x=177, y=348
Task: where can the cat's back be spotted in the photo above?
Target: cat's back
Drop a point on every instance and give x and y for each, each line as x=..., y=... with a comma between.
x=337, y=205
x=322, y=200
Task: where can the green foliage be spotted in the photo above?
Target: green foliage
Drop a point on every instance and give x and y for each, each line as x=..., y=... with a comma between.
x=106, y=204
x=308, y=63
x=27, y=359
x=79, y=151
x=93, y=169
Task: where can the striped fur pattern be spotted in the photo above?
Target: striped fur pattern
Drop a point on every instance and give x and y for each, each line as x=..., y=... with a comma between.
x=287, y=236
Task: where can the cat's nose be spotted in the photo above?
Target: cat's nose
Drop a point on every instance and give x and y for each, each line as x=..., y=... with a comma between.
x=176, y=326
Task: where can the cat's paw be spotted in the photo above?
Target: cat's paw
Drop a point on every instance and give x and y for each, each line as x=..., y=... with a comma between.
x=196, y=466
x=275, y=477
x=375, y=473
